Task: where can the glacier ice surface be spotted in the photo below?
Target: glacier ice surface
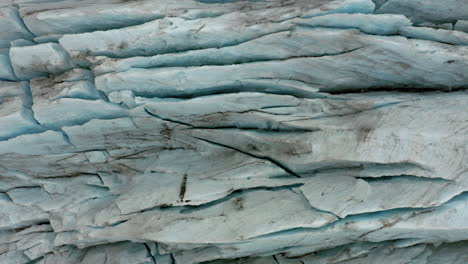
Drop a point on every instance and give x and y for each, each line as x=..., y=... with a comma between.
x=208, y=131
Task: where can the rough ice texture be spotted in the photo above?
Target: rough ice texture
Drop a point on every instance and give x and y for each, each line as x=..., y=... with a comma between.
x=212, y=131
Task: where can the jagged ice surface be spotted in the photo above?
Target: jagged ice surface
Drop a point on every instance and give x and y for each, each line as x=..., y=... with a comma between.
x=254, y=132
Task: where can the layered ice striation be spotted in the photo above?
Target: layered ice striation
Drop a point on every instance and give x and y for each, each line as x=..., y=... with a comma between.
x=209, y=131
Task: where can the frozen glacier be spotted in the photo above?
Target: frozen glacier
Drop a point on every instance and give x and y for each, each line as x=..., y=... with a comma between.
x=233, y=131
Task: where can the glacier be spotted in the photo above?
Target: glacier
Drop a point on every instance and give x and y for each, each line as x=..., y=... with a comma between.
x=233, y=131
